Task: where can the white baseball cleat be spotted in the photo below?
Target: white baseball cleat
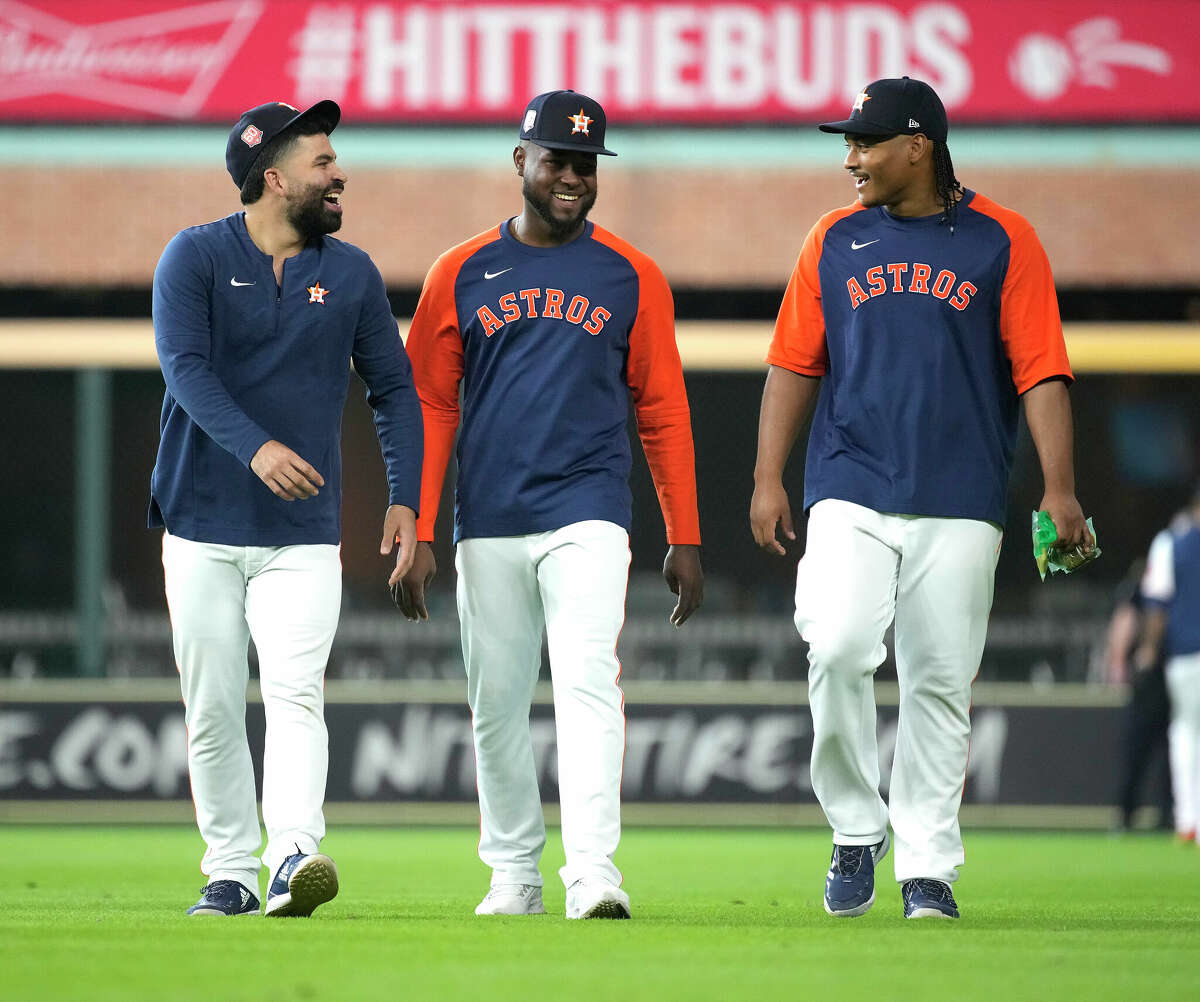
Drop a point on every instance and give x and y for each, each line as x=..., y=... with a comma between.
x=512, y=899
x=592, y=898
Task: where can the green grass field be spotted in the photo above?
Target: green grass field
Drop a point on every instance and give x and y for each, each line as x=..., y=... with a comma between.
x=97, y=913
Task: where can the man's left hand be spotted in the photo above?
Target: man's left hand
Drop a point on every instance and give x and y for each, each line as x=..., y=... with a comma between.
x=400, y=530
x=685, y=578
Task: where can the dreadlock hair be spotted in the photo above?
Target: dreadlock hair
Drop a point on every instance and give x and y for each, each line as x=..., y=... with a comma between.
x=948, y=186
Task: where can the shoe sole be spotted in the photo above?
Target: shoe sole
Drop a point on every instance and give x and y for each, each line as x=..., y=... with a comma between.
x=314, y=882
x=607, y=909
x=920, y=913
x=854, y=912
x=539, y=909
x=217, y=913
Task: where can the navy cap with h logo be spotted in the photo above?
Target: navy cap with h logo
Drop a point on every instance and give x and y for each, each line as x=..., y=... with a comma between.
x=893, y=107
x=565, y=120
x=261, y=124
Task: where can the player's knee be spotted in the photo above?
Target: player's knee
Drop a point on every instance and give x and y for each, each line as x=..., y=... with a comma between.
x=941, y=698
x=494, y=702
x=300, y=695
x=941, y=680
x=212, y=735
x=843, y=646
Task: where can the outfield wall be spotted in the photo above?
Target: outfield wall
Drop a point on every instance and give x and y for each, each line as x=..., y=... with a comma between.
x=721, y=225
x=401, y=752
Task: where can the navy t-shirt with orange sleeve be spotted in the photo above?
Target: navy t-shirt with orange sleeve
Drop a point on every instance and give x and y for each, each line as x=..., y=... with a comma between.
x=548, y=346
x=925, y=338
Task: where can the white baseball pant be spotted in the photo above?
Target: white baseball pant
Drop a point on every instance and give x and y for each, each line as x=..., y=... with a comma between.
x=935, y=577
x=571, y=582
x=1183, y=740
x=287, y=598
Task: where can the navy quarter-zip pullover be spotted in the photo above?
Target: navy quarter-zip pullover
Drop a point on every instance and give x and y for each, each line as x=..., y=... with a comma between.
x=246, y=360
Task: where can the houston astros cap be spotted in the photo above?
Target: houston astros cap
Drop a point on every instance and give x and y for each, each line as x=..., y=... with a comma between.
x=893, y=107
x=260, y=125
x=564, y=120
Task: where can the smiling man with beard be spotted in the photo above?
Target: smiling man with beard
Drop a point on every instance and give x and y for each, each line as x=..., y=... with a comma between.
x=257, y=318
x=548, y=324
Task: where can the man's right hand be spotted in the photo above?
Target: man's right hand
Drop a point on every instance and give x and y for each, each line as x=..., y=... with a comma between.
x=409, y=592
x=288, y=475
x=770, y=507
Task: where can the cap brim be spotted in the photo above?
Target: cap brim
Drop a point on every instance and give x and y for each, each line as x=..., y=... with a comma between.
x=553, y=144
x=857, y=127
x=326, y=113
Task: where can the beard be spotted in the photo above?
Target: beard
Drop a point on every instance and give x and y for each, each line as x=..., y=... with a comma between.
x=559, y=228
x=311, y=216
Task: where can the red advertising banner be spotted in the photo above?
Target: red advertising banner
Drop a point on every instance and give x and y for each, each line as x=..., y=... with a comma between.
x=665, y=62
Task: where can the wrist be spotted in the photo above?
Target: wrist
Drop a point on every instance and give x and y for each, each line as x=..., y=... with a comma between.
x=1059, y=492
x=767, y=476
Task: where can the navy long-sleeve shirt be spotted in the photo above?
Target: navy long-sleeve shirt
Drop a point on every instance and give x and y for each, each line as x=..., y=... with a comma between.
x=246, y=360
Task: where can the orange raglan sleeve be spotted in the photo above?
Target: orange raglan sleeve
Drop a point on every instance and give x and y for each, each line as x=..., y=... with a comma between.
x=435, y=348
x=798, y=343
x=1030, y=326
x=664, y=419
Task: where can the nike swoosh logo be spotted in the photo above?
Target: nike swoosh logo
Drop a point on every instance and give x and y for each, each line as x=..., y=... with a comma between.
x=495, y=274
x=235, y=283
x=855, y=245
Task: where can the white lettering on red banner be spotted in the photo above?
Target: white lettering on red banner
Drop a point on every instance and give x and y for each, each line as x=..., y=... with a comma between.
x=669, y=62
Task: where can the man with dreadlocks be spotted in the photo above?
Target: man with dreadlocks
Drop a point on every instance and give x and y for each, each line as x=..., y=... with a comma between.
x=914, y=323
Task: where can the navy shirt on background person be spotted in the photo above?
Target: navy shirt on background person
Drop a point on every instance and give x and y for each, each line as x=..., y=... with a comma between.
x=1172, y=583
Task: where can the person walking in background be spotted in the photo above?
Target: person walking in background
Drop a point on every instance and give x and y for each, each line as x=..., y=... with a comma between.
x=549, y=322
x=257, y=318
x=1147, y=714
x=916, y=323
x=1171, y=587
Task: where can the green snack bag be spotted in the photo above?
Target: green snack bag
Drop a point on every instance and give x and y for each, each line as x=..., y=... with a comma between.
x=1052, y=558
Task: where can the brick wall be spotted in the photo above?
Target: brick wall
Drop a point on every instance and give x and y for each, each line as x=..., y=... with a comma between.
x=705, y=227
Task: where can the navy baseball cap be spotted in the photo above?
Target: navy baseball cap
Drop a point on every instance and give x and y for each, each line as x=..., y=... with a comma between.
x=893, y=107
x=564, y=120
x=260, y=125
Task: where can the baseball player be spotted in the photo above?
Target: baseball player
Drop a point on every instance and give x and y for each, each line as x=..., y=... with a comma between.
x=1171, y=587
x=915, y=323
x=257, y=318
x=549, y=323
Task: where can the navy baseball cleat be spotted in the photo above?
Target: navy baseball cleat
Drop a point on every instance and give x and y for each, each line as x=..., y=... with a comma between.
x=302, y=882
x=850, y=883
x=225, y=897
x=925, y=898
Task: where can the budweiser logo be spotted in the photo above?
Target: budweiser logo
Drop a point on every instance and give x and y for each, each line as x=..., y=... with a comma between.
x=165, y=62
